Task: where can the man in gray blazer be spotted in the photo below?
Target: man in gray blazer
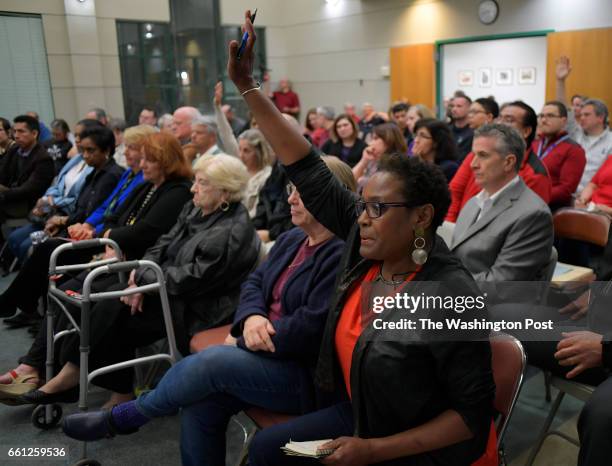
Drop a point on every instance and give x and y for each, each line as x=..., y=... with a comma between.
x=505, y=232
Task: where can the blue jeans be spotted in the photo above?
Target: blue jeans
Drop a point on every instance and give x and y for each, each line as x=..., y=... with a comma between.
x=213, y=385
x=19, y=241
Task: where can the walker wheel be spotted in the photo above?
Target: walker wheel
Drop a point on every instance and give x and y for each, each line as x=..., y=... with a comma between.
x=39, y=419
x=87, y=462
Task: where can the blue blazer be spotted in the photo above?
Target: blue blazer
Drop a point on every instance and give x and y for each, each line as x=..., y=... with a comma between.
x=67, y=202
x=305, y=297
x=96, y=219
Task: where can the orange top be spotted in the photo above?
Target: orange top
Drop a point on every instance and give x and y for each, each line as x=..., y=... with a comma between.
x=349, y=325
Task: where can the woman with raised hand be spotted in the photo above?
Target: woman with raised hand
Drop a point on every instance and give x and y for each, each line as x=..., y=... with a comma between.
x=412, y=403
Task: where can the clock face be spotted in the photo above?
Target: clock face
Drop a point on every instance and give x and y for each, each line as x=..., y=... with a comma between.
x=487, y=11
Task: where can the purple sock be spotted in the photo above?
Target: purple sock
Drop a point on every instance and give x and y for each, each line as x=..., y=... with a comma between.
x=126, y=417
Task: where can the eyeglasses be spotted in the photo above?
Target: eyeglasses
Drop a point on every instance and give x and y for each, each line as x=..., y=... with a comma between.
x=548, y=116
x=422, y=136
x=376, y=209
x=475, y=112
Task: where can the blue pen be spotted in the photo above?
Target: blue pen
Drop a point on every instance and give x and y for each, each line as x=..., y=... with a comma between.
x=245, y=36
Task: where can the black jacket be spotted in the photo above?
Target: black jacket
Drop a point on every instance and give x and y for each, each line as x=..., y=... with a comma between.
x=98, y=186
x=205, y=260
x=33, y=181
x=273, y=212
x=335, y=148
x=395, y=385
x=152, y=220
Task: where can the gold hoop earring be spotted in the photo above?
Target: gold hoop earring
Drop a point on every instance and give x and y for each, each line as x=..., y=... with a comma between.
x=419, y=254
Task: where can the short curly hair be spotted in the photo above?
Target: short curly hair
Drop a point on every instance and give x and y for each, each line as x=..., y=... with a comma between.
x=423, y=183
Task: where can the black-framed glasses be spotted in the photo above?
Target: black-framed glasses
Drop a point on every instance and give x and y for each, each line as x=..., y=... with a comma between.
x=376, y=209
x=548, y=116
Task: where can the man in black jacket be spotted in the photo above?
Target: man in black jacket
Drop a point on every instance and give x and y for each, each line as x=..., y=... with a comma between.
x=26, y=170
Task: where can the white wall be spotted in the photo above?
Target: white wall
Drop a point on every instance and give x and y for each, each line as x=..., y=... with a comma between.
x=333, y=54
x=495, y=55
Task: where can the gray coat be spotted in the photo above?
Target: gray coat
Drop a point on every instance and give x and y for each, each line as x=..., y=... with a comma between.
x=512, y=241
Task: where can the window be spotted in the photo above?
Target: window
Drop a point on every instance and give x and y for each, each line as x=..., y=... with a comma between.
x=24, y=73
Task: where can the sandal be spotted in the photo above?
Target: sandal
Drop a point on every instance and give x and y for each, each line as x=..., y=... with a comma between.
x=19, y=385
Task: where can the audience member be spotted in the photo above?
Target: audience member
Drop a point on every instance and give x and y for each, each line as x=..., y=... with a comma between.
x=576, y=102
x=415, y=113
x=453, y=414
x=459, y=108
x=505, y=232
x=237, y=123
x=148, y=116
x=182, y=119
x=325, y=123
x=369, y=119
x=399, y=116
x=482, y=111
x=523, y=118
x=284, y=98
x=562, y=156
x=597, y=195
x=385, y=138
x=45, y=134
x=349, y=109
x=165, y=123
x=257, y=156
x=26, y=170
x=270, y=355
x=204, y=135
x=592, y=132
x=345, y=142
x=59, y=199
x=311, y=123
x=6, y=139
x=97, y=144
x=132, y=177
x=59, y=146
x=434, y=143
x=118, y=127
x=97, y=114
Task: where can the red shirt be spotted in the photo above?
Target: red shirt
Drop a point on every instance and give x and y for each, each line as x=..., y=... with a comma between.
x=319, y=136
x=565, y=161
x=304, y=252
x=463, y=185
x=283, y=100
x=603, y=180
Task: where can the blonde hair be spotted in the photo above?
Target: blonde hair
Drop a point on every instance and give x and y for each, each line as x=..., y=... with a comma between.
x=256, y=139
x=226, y=173
x=137, y=134
x=341, y=171
x=423, y=111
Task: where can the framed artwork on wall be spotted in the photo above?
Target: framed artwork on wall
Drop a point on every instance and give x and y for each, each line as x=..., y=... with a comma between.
x=484, y=77
x=466, y=78
x=503, y=77
x=527, y=75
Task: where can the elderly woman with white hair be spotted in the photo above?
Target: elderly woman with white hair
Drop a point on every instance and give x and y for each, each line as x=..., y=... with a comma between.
x=257, y=156
x=205, y=258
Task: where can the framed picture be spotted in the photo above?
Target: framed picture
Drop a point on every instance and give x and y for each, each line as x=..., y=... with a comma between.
x=484, y=77
x=527, y=75
x=466, y=78
x=503, y=77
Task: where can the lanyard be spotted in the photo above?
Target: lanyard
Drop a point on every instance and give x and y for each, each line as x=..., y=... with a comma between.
x=551, y=147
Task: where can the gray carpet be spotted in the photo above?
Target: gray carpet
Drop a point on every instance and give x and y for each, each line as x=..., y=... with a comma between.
x=158, y=442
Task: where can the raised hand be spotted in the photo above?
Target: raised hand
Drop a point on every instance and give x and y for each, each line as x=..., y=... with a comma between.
x=562, y=68
x=241, y=71
x=218, y=94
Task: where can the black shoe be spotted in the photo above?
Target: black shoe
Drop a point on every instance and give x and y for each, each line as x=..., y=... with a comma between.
x=38, y=397
x=92, y=426
x=22, y=320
